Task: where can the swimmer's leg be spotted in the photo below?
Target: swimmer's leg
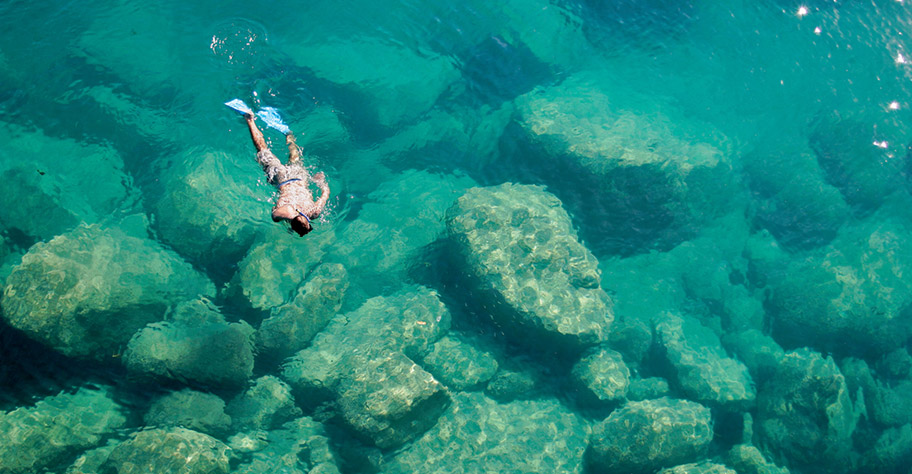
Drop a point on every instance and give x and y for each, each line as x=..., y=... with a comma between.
x=258, y=141
x=294, y=153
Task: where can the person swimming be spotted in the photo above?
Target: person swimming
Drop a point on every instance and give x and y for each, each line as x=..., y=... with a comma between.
x=296, y=202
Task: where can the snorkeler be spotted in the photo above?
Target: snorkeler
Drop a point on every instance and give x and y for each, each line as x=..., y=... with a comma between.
x=296, y=202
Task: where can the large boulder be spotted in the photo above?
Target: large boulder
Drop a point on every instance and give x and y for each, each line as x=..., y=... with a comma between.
x=643, y=437
x=300, y=446
x=363, y=360
x=805, y=415
x=374, y=73
x=53, y=184
x=198, y=411
x=391, y=233
x=855, y=289
x=56, y=429
x=658, y=176
x=291, y=326
x=459, y=364
x=86, y=292
x=168, y=450
x=195, y=345
x=210, y=209
x=478, y=434
x=698, y=363
x=266, y=403
x=521, y=253
x=601, y=376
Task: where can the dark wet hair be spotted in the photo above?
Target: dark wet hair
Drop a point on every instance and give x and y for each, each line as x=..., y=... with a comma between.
x=299, y=228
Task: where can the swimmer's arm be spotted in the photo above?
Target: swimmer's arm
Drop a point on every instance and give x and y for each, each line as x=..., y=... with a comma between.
x=320, y=180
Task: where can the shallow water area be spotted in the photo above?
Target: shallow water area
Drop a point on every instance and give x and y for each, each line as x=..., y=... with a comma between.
x=563, y=236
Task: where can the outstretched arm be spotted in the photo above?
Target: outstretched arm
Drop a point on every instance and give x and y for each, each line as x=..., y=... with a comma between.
x=258, y=141
x=320, y=180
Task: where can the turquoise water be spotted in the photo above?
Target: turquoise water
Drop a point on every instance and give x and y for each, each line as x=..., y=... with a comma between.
x=738, y=176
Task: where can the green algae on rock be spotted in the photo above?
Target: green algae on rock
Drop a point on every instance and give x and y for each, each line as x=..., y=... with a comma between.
x=519, y=249
x=56, y=429
x=266, y=403
x=86, y=292
x=645, y=436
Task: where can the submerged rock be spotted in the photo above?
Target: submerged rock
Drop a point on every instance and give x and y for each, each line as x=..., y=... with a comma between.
x=56, y=429
x=52, y=184
x=855, y=290
x=459, y=364
x=805, y=414
x=399, y=220
x=520, y=251
x=374, y=73
x=700, y=365
x=602, y=376
x=266, y=403
x=478, y=434
x=363, y=361
x=86, y=292
x=291, y=326
x=209, y=210
x=703, y=467
x=168, y=450
x=657, y=179
x=642, y=437
x=198, y=411
x=195, y=345
x=747, y=459
x=298, y=447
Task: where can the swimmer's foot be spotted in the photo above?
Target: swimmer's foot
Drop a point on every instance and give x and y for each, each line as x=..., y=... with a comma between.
x=240, y=107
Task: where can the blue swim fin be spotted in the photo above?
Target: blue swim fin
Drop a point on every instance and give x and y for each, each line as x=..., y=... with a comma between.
x=239, y=106
x=272, y=118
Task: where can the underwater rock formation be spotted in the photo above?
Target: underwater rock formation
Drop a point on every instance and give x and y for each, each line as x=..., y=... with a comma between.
x=299, y=447
x=86, y=292
x=209, y=210
x=374, y=74
x=601, y=376
x=195, y=345
x=266, y=403
x=700, y=365
x=856, y=289
x=364, y=361
x=805, y=415
x=521, y=253
x=478, y=434
x=56, y=428
x=657, y=180
x=703, y=467
x=198, y=411
x=459, y=364
x=291, y=326
x=642, y=437
x=53, y=184
x=168, y=450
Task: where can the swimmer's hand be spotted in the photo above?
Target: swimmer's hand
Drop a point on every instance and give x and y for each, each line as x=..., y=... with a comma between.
x=319, y=178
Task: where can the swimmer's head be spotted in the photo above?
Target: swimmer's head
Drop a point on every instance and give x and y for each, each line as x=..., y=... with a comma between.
x=300, y=225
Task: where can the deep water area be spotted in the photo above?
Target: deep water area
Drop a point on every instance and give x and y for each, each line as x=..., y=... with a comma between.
x=563, y=236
